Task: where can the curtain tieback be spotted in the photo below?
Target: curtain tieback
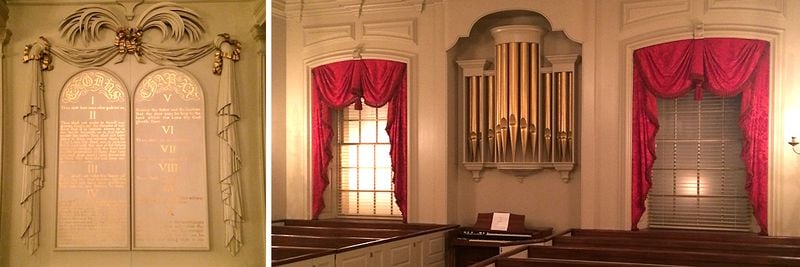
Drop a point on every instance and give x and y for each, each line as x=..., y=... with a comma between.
x=698, y=90
x=359, y=93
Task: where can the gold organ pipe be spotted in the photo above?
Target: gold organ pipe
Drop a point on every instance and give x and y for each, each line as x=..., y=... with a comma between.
x=481, y=99
x=513, y=98
x=498, y=105
x=524, y=92
x=548, y=85
x=473, y=106
x=571, y=113
x=491, y=123
x=561, y=99
x=503, y=100
x=534, y=99
x=548, y=100
x=473, y=116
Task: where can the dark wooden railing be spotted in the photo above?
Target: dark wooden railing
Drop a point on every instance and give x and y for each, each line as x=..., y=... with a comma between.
x=297, y=240
x=579, y=247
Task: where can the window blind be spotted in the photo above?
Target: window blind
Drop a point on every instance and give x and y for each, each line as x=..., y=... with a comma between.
x=365, y=185
x=698, y=176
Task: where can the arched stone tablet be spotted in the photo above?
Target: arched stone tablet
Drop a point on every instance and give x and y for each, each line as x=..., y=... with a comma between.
x=93, y=208
x=170, y=188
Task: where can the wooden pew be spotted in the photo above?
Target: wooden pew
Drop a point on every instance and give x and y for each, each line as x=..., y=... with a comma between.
x=317, y=241
x=734, y=237
x=372, y=224
x=678, y=245
x=521, y=262
x=579, y=247
x=339, y=232
x=305, y=243
x=280, y=253
x=647, y=256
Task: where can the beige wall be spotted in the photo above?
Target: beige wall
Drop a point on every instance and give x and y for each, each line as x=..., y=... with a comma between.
x=635, y=24
x=27, y=22
x=407, y=35
x=278, y=126
x=608, y=31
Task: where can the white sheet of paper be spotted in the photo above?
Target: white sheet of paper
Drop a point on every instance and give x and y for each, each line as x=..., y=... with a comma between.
x=500, y=221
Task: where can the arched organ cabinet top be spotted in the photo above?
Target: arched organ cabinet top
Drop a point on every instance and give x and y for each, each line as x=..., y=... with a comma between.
x=519, y=116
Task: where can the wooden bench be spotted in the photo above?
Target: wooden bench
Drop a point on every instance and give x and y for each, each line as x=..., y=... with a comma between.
x=318, y=241
x=749, y=238
x=306, y=243
x=520, y=262
x=339, y=232
x=287, y=253
x=629, y=242
x=376, y=224
x=579, y=247
x=646, y=256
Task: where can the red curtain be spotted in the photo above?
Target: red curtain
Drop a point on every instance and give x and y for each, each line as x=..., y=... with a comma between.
x=723, y=66
x=337, y=85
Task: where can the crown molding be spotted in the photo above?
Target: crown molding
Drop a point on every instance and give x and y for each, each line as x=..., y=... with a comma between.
x=278, y=8
x=298, y=9
x=98, y=2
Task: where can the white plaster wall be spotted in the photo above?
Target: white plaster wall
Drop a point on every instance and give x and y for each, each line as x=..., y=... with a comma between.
x=623, y=26
x=278, y=126
x=410, y=36
x=27, y=22
x=787, y=188
x=542, y=196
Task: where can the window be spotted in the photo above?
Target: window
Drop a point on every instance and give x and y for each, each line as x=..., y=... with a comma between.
x=698, y=176
x=364, y=168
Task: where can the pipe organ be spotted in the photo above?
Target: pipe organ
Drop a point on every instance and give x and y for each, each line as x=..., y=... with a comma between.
x=521, y=116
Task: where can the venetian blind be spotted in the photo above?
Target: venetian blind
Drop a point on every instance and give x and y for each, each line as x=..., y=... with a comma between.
x=698, y=176
x=365, y=185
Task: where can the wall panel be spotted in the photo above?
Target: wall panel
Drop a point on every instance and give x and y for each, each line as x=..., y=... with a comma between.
x=27, y=23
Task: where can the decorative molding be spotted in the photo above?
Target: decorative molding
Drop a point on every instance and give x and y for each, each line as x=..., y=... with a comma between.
x=769, y=6
x=317, y=34
x=172, y=20
x=279, y=9
x=643, y=10
x=98, y=2
x=3, y=15
x=298, y=9
x=130, y=6
x=230, y=160
x=5, y=36
x=259, y=13
x=259, y=33
x=404, y=30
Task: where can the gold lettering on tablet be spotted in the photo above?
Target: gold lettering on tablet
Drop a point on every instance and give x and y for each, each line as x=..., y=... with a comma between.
x=92, y=208
x=93, y=81
x=170, y=181
x=167, y=82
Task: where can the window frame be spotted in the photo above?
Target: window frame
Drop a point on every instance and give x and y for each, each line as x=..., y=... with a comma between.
x=334, y=172
x=741, y=195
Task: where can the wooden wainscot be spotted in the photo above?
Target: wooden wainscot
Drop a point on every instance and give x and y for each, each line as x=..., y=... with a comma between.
x=655, y=248
x=358, y=243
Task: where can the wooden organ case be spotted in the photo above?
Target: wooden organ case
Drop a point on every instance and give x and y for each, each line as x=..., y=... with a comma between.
x=519, y=117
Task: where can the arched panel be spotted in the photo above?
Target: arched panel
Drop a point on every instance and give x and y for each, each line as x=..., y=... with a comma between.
x=169, y=189
x=93, y=163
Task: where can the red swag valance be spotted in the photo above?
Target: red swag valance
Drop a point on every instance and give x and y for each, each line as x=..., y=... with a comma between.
x=337, y=85
x=723, y=66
